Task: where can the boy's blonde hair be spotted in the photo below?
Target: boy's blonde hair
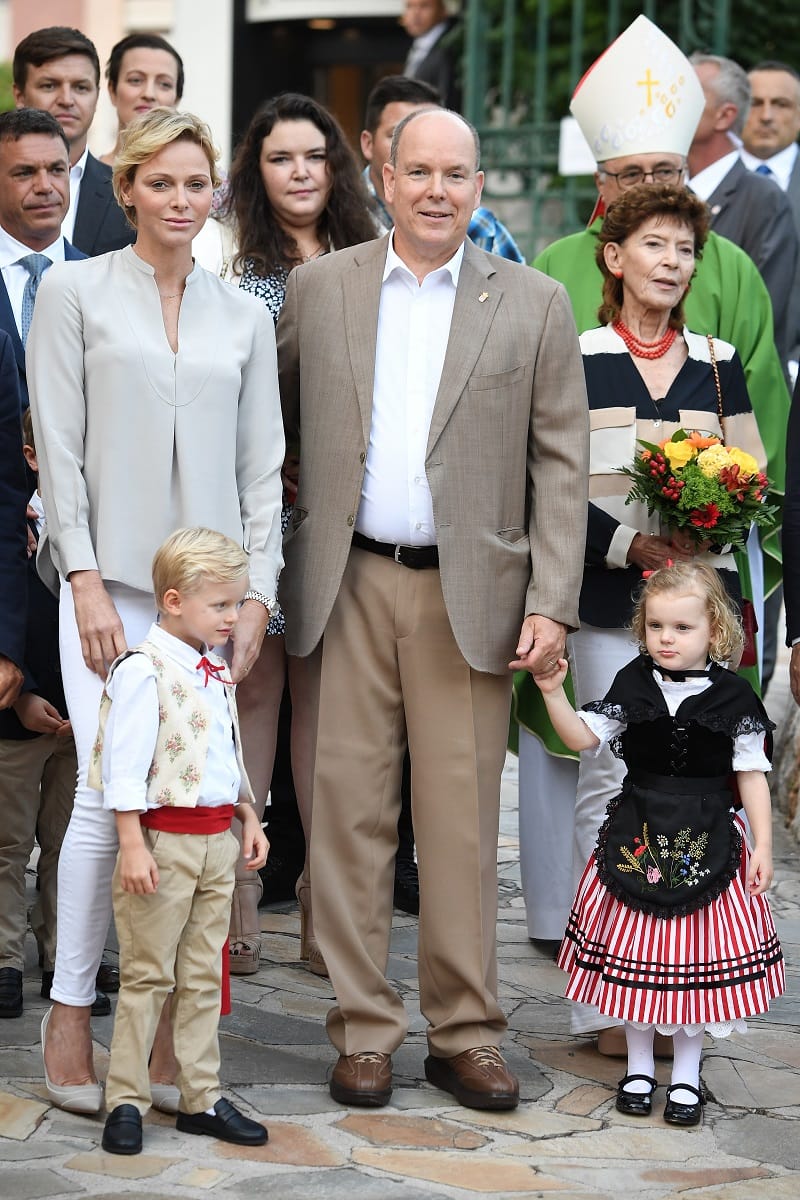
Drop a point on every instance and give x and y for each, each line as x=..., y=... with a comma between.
x=27, y=430
x=727, y=637
x=148, y=135
x=191, y=557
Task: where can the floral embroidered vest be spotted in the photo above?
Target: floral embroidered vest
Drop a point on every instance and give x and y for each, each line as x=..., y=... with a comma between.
x=181, y=749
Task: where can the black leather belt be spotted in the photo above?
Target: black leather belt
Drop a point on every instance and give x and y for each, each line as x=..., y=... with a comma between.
x=415, y=557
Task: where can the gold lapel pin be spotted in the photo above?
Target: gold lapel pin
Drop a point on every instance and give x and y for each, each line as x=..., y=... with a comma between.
x=483, y=296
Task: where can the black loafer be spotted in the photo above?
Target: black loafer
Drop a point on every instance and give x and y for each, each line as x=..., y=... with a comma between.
x=10, y=992
x=683, y=1114
x=107, y=979
x=101, y=1006
x=406, y=886
x=635, y=1104
x=227, y=1124
x=122, y=1133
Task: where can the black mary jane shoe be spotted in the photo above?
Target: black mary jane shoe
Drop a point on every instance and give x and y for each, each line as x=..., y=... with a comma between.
x=635, y=1104
x=227, y=1124
x=122, y=1133
x=683, y=1114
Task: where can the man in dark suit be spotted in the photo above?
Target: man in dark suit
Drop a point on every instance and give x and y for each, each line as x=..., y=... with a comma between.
x=747, y=208
x=13, y=536
x=34, y=197
x=770, y=148
x=432, y=57
x=57, y=70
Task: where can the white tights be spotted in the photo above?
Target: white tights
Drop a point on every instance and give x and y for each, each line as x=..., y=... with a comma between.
x=685, y=1066
x=89, y=849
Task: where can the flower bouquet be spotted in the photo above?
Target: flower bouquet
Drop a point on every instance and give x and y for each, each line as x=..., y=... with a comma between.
x=695, y=483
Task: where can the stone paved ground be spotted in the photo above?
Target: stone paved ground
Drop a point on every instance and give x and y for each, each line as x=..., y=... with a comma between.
x=565, y=1139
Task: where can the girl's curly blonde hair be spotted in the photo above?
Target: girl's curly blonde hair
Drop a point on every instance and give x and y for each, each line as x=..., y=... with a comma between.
x=727, y=637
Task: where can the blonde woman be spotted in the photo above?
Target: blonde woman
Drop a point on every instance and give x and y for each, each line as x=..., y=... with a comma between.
x=155, y=405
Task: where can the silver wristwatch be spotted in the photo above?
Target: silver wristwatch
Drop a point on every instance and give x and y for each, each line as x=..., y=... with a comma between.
x=269, y=602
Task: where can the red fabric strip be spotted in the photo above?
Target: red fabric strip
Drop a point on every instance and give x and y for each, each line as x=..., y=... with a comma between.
x=171, y=819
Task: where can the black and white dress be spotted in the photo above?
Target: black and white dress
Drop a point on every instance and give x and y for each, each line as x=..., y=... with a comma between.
x=662, y=930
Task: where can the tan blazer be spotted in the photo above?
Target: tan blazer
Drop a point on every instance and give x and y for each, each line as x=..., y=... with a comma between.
x=507, y=458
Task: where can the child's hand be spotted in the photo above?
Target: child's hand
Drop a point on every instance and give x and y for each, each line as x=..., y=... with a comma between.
x=138, y=872
x=254, y=841
x=39, y=715
x=759, y=874
x=551, y=680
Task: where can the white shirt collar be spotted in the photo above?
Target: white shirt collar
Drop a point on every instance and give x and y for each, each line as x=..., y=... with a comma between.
x=395, y=263
x=11, y=251
x=76, y=171
x=781, y=164
x=706, y=182
x=181, y=652
x=426, y=41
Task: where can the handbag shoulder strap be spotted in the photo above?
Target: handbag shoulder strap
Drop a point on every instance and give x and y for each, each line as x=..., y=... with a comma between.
x=715, y=369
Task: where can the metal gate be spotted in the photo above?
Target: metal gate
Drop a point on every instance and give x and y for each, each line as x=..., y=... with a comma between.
x=522, y=60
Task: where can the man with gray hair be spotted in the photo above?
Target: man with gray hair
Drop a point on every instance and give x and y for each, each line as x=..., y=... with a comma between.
x=747, y=208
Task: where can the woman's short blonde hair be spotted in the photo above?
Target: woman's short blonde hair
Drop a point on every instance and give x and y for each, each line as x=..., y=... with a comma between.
x=727, y=637
x=148, y=135
x=189, y=558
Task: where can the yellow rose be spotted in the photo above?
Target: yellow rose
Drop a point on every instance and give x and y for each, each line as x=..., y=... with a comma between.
x=712, y=460
x=746, y=463
x=679, y=453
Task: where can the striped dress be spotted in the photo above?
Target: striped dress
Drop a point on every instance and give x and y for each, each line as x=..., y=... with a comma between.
x=703, y=969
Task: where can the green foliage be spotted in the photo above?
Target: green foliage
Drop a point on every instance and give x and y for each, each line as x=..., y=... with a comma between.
x=6, y=94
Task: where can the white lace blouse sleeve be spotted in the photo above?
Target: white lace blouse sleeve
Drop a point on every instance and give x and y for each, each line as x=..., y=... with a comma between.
x=604, y=728
x=748, y=753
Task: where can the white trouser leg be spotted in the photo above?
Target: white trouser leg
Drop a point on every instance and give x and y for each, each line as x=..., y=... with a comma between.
x=89, y=850
x=547, y=787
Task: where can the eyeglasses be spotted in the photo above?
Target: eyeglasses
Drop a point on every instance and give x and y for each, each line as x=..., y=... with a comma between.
x=633, y=176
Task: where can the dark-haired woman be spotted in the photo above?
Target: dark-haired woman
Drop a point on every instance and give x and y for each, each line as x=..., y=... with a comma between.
x=143, y=71
x=294, y=193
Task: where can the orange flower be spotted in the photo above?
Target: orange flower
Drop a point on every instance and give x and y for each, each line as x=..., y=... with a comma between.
x=647, y=455
x=700, y=442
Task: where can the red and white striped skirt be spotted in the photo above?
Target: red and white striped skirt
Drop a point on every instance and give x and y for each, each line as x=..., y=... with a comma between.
x=717, y=965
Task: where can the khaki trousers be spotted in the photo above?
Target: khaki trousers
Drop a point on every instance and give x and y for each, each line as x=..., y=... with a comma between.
x=389, y=669
x=37, y=787
x=173, y=938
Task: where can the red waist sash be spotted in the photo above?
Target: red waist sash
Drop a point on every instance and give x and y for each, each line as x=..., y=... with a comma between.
x=205, y=820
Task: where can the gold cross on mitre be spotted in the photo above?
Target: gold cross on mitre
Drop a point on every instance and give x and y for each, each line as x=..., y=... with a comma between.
x=649, y=83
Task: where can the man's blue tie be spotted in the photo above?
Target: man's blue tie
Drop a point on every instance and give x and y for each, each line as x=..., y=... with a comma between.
x=763, y=169
x=35, y=265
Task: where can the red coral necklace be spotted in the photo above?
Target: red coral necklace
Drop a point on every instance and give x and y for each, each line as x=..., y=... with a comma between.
x=642, y=349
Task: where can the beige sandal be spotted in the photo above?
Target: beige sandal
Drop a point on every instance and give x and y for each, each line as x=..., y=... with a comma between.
x=244, y=938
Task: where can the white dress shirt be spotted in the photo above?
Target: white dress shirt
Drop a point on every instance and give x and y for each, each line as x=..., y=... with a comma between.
x=706, y=182
x=781, y=164
x=413, y=331
x=132, y=729
x=75, y=179
x=14, y=276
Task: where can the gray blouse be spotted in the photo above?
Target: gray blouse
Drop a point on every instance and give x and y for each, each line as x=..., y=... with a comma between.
x=133, y=440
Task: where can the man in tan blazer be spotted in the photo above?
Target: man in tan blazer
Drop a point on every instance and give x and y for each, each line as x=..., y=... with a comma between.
x=436, y=396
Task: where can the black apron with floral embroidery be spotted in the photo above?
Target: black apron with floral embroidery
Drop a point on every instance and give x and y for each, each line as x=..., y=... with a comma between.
x=670, y=844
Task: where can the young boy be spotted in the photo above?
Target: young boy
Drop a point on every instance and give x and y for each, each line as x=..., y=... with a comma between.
x=168, y=759
x=38, y=765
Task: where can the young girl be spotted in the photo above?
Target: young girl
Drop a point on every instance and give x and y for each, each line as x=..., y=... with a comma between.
x=670, y=929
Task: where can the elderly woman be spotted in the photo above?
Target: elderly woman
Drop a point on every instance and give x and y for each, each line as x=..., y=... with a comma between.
x=294, y=193
x=646, y=375
x=155, y=404
x=143, y=71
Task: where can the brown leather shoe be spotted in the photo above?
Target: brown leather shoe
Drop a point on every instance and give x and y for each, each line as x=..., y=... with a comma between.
x=478, y=1078
x=364, y=1079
